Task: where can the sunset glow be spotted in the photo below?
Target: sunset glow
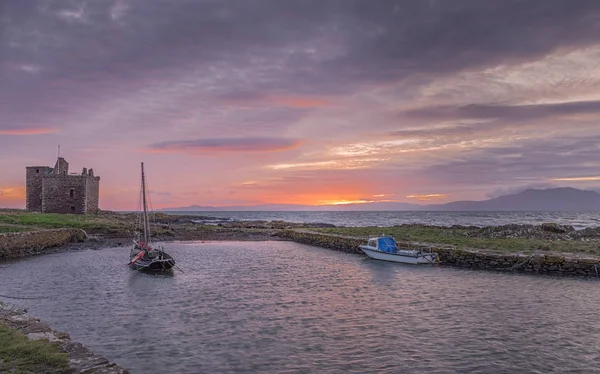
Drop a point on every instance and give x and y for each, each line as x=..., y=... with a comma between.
x=12, y=194
x=25, y=131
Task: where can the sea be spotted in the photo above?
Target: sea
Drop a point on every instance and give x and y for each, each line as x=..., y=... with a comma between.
x=579, y=220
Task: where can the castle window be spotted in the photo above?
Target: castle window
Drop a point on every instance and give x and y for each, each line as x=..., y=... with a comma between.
x=72, y=207
x=37, y=170
x=72, y=192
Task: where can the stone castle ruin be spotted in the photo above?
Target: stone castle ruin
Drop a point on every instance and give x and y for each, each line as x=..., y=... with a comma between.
x=54, y=190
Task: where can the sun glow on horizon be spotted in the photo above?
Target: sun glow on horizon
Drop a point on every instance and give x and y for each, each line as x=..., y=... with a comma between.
x=343, y=202
x=12, y=197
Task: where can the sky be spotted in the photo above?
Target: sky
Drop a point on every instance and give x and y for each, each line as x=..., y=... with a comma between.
x=244, y=102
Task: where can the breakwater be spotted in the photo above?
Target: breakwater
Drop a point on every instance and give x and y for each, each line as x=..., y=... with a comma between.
x=23, y=244
x=81, y=359
x=478, y=259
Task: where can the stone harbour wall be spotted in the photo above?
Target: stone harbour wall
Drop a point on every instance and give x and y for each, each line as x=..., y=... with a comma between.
x=479, y=259
x=336, y=242
x=22, y=244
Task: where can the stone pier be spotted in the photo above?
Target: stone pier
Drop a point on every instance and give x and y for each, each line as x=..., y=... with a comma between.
x=555, y=263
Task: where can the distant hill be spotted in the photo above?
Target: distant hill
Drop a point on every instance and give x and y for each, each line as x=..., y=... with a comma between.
x=564, y=199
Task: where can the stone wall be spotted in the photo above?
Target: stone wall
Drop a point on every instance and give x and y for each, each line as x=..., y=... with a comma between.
x=22, y=244
x=541, y=263
x=336, y=242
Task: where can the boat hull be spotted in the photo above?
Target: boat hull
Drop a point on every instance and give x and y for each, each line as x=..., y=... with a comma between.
x=402, y=256
x=163, y=262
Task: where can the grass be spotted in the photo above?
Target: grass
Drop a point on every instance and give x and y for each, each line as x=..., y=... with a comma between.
x=458, y=238
x=124, y=225
x=18, y=354
x=95, y=223
x=4, y=228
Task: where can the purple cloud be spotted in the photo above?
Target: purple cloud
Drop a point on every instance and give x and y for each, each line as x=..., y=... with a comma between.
x=505, y=112
x=226, y=145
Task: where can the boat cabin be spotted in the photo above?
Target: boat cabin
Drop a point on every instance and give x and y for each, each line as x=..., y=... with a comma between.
x=384, y=244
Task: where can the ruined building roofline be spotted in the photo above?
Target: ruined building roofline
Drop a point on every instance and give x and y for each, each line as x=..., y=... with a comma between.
x=69, y=175
x=38, y=167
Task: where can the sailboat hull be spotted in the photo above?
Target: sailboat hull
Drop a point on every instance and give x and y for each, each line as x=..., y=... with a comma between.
x=164, y=262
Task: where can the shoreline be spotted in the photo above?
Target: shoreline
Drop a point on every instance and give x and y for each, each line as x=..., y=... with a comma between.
x=544, y=248
x=80, y=358
x=540, y=261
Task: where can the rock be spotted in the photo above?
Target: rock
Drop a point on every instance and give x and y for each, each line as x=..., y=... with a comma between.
x=553, y=227
x=587, y=233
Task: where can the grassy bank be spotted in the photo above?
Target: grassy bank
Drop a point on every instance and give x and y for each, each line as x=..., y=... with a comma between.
x=460, y=239
x=18, y=354
x=109, y=223
x=21, y=220
x=112, y=224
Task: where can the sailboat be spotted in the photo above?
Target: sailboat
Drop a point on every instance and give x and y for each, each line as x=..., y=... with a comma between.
x=144, y=256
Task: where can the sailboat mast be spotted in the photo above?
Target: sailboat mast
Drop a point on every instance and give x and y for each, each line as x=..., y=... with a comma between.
x=146, y=224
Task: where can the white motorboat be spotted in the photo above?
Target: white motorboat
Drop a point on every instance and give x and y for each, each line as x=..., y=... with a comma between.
x=385, y=248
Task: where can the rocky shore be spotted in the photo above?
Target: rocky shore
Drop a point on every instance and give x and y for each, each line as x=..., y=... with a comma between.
x=111, y=229
x=81, y=359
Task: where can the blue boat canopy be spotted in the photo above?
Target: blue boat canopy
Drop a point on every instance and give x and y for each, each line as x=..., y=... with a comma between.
x=387, y=244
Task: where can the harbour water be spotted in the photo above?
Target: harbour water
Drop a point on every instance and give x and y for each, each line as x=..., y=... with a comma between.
x=578, y=220
x=282, y=307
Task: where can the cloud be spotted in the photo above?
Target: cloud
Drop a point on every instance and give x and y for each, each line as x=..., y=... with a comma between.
x=525, y=162
x=225, y=145
x=505, y=112
x=339, y=164
x=429, y=197
x=578, y=179
x=246, y=98
x=28, y=131
x=453, y=92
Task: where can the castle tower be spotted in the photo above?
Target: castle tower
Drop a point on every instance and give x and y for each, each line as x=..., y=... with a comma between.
x=61, y=167
x=33, y=185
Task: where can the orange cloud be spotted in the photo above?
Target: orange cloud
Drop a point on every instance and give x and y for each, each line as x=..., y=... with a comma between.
x=28, y=131
x=427, y=197
x=578, y=179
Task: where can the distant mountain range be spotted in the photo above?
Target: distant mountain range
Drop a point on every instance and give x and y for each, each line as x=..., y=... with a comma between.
x=565, y=199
